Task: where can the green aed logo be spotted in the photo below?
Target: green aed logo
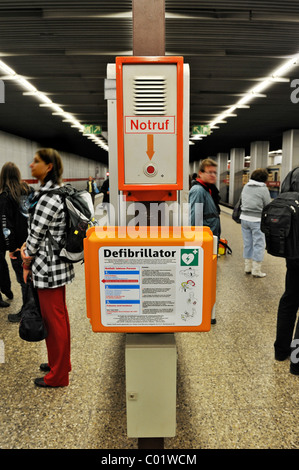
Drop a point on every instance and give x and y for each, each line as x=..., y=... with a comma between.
x=189, y=257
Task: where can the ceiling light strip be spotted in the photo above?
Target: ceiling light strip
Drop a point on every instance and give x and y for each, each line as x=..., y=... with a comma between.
x=256, y=91
x=46, y=102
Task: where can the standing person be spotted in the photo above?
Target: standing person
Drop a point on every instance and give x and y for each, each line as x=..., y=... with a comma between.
x=15, y=199
x=92, y=188
x=254, y=197
x=49, y=273
x=205, y=192
x=289, y=302
x=105, y=190
x=4, y=273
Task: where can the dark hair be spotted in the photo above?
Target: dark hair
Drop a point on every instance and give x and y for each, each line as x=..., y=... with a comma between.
x=49, y=155
x=260, y=174
x=10, y=180
x=206, y=162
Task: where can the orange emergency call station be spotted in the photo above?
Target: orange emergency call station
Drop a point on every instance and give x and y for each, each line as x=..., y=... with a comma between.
x=151, y=283
x=150, y=107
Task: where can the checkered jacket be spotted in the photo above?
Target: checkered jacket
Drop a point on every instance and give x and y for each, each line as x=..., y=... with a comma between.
x=48, y=215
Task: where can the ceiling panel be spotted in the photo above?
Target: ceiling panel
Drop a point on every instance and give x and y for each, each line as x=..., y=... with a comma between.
x=63, y=48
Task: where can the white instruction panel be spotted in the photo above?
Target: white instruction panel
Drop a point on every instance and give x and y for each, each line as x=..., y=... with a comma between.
x=151, y=286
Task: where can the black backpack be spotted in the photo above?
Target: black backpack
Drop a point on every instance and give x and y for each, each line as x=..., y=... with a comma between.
x=280, y=224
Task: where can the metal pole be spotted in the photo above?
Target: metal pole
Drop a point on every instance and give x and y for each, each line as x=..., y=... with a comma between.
x=149, y=40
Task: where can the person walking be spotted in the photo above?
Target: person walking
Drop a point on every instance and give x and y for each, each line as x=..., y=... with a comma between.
x=47, y=218
x=254, y=197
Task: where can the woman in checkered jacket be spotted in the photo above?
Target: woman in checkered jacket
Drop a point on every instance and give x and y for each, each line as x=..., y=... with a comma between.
x=49, y=273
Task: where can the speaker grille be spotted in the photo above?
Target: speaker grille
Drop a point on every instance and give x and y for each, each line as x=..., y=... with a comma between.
x=150, y=96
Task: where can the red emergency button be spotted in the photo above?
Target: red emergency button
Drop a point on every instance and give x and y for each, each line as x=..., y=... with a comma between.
x=150, y=169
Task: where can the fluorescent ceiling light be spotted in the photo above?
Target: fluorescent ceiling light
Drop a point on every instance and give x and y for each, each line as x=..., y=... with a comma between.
x=46, y=102
x=256, y=91
x=6, y=69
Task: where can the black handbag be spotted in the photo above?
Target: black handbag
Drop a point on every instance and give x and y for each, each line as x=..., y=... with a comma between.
x=32, y=327
x=237, y=212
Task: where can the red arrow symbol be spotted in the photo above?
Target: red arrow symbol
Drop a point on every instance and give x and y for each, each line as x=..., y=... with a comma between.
x=150, y=146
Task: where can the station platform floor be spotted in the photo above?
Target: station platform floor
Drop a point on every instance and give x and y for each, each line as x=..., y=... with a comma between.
x=231, y=393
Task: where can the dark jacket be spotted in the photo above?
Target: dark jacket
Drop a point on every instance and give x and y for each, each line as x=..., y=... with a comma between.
x=14, y=219
x=2, y=242
x=208, y=196
x=105, y=189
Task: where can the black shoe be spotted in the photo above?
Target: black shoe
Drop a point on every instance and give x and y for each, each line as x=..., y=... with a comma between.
x=8, y=294
x=4, y=304
x=279, y=356
x=41, y=383
x=14, y=317
x=294, y=369
x=45, y=367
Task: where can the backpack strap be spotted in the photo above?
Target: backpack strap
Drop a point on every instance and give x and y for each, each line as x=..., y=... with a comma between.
x=281, y=241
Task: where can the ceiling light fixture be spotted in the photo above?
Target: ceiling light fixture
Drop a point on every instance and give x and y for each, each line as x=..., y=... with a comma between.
x=256, y=91
x=46, y=102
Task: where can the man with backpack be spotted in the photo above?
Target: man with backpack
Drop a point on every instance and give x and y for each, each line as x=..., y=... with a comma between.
x=287, y=334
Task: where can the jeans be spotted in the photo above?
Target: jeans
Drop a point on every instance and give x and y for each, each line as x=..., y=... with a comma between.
x=253, y=240
x=287, y=310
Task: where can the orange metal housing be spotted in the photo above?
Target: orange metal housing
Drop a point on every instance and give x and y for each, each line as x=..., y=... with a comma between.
x=143, y=189
x=185, y=237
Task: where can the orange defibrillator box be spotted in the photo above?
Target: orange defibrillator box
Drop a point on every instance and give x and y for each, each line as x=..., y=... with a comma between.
x=153, y=283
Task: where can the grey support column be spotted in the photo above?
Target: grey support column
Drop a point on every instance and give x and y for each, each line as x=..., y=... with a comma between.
x=148, y=27
x=237, y=156
x=290, y=152
x=259, y=152
x=222, y=159
x=194, y=167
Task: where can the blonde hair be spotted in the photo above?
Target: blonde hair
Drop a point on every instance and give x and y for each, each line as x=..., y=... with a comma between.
x=206, y=162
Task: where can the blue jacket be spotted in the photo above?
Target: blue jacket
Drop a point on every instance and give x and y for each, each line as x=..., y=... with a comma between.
x=210, y=214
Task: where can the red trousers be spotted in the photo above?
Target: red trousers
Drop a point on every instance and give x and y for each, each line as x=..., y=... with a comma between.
x=56, y=318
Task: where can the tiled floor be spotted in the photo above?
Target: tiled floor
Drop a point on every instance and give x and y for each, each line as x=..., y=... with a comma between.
x=231, y=393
